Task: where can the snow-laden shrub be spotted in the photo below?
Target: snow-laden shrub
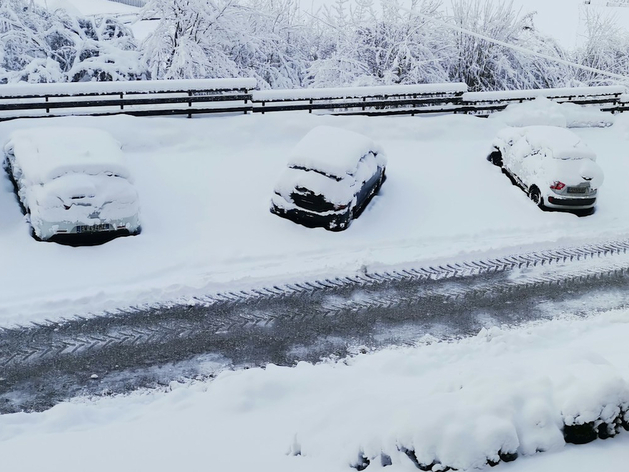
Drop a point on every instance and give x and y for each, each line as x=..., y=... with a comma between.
x=38, y=45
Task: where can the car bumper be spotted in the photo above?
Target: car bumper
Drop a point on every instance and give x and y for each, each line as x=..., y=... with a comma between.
x=45, y=229
x=333, y=221
x=577, y=203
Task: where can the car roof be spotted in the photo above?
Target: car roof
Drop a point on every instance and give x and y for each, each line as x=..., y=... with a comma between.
x=332, y=151
x=561, y=143
x=43, y=154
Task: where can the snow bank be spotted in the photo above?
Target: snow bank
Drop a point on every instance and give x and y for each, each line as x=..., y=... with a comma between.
x=462, y=404
x=355, y=92
x=39, y=156
x=542, y=111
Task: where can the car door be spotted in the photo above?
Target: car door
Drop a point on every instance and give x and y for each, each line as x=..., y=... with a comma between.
x=367, y=185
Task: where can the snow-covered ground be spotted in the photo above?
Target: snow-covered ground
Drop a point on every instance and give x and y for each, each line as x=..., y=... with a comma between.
x=455, y=403
x=205, y=186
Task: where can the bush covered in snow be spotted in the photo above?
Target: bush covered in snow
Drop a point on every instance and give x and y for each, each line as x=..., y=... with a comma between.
x=38, y=45
x=348, y=43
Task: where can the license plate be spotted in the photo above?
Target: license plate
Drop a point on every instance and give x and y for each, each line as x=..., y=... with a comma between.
x=577, y=189
x=93, y=228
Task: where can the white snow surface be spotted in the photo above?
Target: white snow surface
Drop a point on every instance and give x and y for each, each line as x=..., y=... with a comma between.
x=42, y=155
x=352, y=92
x=548, y=92
x=542, y=111
x=458, y=403
x=205, y=185
x=333, y=151
x=137, y=86
x=553, y=141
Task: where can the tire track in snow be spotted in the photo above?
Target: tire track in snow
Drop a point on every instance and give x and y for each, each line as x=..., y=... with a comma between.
x=285, y=323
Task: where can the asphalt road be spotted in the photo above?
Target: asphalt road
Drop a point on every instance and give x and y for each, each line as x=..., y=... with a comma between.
x=42, y=365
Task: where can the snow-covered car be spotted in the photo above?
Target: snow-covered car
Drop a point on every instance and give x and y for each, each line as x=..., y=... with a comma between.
x=332, y=175
x=551, y=164
x=72, y=181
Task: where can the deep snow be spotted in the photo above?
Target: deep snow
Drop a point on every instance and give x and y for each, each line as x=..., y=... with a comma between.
x=457, y=403
x=205, y=185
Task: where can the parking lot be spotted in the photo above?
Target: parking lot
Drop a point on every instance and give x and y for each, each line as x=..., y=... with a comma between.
x=205, y=185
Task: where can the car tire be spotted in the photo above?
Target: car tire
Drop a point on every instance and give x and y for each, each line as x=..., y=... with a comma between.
x=495, y=158
x=536, y=196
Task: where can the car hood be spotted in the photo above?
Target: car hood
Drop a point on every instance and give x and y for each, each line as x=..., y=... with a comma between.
x=79, y=197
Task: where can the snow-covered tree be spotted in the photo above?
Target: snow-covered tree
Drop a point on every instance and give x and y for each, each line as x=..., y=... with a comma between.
x=38, y=45
x=193, y=38
x=606, y=48
x=485, y=65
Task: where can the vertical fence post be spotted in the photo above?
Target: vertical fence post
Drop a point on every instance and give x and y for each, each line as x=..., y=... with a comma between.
x=310, y=107
x=121, y=101
x=47, y=108
x=190, y=102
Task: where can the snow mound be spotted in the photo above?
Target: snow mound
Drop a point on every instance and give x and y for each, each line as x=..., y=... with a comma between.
x=461, y=405
x=333, y=151
x=543, y=111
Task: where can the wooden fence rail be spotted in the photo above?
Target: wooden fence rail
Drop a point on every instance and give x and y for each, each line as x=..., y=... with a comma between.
x=192, y=97
x=141, y=98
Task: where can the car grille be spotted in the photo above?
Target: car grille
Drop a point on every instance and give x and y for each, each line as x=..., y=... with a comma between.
x=307, y=200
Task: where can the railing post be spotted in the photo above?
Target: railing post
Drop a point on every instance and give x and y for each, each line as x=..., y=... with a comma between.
x=47, y=108
x=310, y=108
x=121, y=103
x=246, y=100
x=190, y=102
x=263, y=107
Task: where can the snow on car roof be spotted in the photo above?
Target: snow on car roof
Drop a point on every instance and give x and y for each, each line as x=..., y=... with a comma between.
x=560, y=142
x=43, y=154
x=333, y=151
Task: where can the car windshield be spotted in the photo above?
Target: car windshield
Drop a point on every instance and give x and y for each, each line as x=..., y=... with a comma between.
x=333, y=177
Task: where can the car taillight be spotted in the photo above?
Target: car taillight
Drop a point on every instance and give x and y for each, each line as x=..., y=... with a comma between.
x=557, y=185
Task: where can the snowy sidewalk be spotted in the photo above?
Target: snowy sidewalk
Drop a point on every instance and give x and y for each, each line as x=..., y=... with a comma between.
x=458, y=404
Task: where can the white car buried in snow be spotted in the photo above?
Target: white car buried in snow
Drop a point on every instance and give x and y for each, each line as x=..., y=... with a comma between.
x=332, y=175
x=72, y=181
x=551, y=164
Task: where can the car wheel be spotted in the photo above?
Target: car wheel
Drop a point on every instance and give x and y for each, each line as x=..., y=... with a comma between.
x=536, y=196
x=495, y=158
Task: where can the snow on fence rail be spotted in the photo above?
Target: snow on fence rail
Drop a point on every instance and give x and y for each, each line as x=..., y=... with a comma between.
x=139, y=98
x=133, y=3
x=423, y=99
x=360, y=100
x=188, y=97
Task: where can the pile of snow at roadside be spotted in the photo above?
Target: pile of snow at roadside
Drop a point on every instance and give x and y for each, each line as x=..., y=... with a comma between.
x=542, y=111
x=459, y=404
